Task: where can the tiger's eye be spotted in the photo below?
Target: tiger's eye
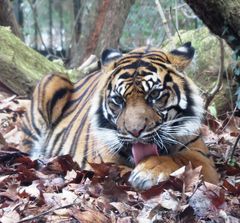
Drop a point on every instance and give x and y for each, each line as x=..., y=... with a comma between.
x=118, y=100
x=154, y=94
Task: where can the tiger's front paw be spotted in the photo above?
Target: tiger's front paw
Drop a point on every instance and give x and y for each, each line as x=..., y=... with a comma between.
x=151, y=171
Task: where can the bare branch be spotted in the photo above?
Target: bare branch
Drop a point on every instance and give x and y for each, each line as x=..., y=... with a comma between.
x=37, y=26
x=89, y=66
x=164, y=20
x=31, y=218
x=210, y=95
x=234, y=148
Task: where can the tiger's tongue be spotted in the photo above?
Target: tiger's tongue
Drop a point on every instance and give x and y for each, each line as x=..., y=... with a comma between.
x=141, y=151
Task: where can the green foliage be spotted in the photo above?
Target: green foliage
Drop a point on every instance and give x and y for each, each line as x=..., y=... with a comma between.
x=232, y=162
x=213, y=110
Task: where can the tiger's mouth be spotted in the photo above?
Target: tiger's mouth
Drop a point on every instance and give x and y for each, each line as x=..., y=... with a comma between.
x=138, y=151
x=141, y=151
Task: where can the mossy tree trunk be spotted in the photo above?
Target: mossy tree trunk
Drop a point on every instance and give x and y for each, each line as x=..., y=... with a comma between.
x=222, y=18
x=21, y=66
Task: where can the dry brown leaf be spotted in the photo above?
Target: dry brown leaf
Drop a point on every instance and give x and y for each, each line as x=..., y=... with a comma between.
x=32, y=190
x=11, y=216
x=208, y=198
x=89, y=216
x=189, y=176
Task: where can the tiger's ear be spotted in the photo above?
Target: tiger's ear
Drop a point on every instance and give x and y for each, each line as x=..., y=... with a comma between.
x=108, y=57
x=182, y=56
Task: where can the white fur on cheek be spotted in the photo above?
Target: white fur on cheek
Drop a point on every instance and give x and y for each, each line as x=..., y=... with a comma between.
x=193, y=124
x=105, y=137
x=183, y=102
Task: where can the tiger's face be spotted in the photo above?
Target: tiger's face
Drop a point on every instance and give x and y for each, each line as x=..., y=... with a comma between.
x=146, y=102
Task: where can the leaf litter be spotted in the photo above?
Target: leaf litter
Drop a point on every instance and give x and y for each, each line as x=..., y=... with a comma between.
x=58, y=190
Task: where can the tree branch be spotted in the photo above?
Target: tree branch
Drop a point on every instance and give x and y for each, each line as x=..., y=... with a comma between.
x=210, y=95
x=37, y=26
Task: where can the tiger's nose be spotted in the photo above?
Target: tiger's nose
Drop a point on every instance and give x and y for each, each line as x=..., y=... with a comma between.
x=136, y=132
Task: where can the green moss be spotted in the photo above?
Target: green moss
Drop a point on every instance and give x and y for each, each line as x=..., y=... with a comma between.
x=32, y=64
x=21, y=66
x=204, y=67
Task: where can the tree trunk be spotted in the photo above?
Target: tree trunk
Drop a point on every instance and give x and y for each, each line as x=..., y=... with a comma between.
x=18, y=11
x=102, y=27
x=222, y=18
x=7, y=17
x=20, y=65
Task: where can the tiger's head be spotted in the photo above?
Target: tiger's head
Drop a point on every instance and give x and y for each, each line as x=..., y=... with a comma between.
x=145, y=102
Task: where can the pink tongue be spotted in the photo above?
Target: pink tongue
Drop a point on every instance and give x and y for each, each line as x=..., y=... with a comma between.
x=141, y=151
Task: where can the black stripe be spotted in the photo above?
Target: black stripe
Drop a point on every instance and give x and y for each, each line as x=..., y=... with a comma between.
x=77, y=137
x=27, y=132
x=85, y=80
x=78, y=100
x=32, y=119
x=65, y=136
x=57, y=138
x=126, y=60
x=123, y=82
x=167, y=78
x=77, y=134
x=50, y=104
x=27, y=142
x=160, y=65
x=133, y=65
x=190, y=142
x=101, y=120
x=72, y=102
x=68, y=129
x=40, y=104
x=190, y=102
x=135, y=54
x=177, y=91
x=157, y=57
x=43, y=85
x=125, y=75
x=84, y=160
x=204, y=154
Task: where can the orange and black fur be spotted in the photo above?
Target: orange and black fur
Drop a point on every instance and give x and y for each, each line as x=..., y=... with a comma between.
x=140, y=111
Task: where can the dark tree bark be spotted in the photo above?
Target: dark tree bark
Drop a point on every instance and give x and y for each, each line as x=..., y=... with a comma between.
x=77, y=17
x=7, y=17
x=222, y=18
x=101, y=27
x=18, y=11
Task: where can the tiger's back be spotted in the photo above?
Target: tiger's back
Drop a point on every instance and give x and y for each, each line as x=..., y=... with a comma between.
x=58, y=120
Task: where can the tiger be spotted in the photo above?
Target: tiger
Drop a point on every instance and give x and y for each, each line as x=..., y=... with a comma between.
x=140, y=111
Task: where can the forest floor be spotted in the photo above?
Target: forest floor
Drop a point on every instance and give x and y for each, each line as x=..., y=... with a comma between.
x=59, y=191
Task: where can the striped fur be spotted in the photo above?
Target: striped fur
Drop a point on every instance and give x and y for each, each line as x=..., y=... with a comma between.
x=142, y=96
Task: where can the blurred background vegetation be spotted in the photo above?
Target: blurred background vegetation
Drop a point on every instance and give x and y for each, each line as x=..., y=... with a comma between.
x=50, y=23
x=70, y=31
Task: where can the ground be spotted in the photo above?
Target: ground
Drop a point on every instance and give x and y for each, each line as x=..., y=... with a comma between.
x=57, y=190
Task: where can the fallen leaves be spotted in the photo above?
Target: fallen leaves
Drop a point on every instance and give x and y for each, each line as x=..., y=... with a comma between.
x=58, y=190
